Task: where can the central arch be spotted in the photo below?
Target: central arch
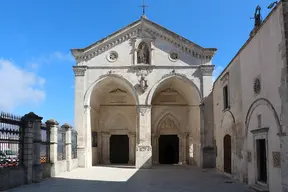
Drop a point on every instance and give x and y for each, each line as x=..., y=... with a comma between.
x=113, y=101
x=175, y=114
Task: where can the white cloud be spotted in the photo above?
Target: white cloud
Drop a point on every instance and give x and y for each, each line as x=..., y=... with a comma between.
x=217, y=71
x=18, y=86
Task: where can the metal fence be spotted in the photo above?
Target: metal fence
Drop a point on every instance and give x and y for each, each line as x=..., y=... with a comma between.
x=61, y=145
x=11, y=140
x=45, y=144
x=74, y=144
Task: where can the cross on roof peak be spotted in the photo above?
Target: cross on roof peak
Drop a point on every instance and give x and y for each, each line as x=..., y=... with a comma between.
x=144, y=6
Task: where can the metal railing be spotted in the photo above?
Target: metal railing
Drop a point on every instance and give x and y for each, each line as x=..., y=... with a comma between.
x=45, y=144
x=11, y=140
x=61, y=145
x=74, y=144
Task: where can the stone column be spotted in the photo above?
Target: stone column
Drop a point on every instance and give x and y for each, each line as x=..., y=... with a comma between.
x=79, y=72
x=88, y=135
x=31, y=150
x=106, y=148
x=185, y=148
x=155, y=147
x=144, y=148
x=132, y=147
x=180, y=149
x=52, y=125
x=68, y=148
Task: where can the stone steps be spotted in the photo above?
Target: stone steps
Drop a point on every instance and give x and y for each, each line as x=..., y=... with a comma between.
x=258, y=188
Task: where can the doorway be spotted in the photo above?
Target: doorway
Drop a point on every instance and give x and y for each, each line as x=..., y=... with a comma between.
x=119, y=149
x=168, y=149
x=261, y=160
x=227, y=154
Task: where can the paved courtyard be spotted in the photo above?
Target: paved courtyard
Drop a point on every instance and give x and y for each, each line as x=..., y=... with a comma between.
x=162, y=178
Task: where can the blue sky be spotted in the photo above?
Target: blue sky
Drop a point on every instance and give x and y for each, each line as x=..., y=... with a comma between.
x=36, y=36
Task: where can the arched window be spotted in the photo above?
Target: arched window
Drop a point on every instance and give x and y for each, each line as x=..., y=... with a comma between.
x=143, y=56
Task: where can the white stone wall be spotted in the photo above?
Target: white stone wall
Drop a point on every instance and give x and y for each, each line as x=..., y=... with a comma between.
x=260, y=57
x=190, y=76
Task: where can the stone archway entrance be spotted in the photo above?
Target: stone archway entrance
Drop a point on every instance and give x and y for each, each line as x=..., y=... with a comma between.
x=113, y=121
x=119, y=149
x=227, y=153
x=168, y=149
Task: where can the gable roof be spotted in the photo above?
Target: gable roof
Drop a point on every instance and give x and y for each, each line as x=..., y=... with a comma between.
x=132, y=30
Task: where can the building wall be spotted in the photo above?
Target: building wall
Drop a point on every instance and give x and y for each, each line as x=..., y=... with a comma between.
x=259, y=57
x=186, y=77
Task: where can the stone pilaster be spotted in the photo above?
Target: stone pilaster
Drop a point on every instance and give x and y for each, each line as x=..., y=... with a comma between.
x=144, y=148
x=52, y=125
x=68, y=131
x=206, y=82
x=79, y=72
x=31, y=149
x=185, y=148
x=180, y=137
x=132, y=147
x=106, y=148
x=155, y=146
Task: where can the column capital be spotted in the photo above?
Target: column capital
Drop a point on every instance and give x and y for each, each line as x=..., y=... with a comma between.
x=142, y=109
x=79, y=70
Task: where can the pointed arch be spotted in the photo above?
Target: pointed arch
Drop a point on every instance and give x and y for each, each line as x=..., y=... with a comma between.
x=169, y=122
x=254, y=105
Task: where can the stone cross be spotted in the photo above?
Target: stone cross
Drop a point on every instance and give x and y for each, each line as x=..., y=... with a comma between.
x=143, y=7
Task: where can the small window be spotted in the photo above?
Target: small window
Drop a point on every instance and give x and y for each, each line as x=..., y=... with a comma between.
x=225, y=97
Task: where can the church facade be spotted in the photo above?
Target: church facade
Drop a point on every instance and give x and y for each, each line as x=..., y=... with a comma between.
x=140, y=99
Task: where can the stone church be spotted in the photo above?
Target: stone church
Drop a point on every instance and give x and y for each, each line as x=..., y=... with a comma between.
x=139, y=99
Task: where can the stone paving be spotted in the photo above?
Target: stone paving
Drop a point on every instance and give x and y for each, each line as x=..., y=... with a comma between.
x=159, y=179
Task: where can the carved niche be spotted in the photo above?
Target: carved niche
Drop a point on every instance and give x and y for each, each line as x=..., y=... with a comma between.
x=143, y=53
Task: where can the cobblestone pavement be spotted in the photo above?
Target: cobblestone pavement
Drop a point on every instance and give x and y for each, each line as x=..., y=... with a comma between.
x=162, y=178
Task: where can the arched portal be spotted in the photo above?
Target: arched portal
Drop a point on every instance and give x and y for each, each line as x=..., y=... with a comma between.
x=227, y=153
x=175, y=115
x=113, y=121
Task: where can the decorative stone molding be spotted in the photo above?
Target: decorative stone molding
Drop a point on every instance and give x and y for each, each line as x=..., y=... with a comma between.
x=173, y=72
x=134, y=29
x=142, y=109
x=143, y=148
x=207, y=70
x=142, y=70
x=262, y=130
x=51, y=122
x=66, y=126
x=276, y=159
x=79, y=70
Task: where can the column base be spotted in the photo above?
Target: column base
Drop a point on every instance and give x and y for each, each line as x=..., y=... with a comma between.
x=143, y=157
x=82, y=156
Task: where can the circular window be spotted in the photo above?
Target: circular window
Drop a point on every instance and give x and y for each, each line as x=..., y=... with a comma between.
x=112, y=56
x=257, y=86
x=174, y=56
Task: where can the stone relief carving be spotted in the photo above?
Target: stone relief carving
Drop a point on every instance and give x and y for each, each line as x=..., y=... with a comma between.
x=168, y=123
x=143, y=55
x=173, y=72
x=182, y=44
x=276, y=159
x=143, y=109
x=117, y=91
x=144, y=148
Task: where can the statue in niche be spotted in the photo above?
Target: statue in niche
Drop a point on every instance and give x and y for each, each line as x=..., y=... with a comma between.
x=143, y=53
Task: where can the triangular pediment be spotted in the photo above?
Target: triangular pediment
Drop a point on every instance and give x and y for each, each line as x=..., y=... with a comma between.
x=145, y=29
